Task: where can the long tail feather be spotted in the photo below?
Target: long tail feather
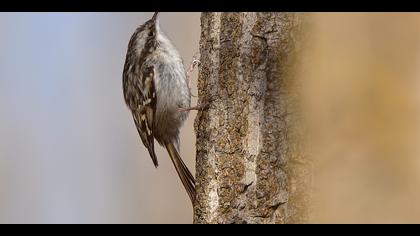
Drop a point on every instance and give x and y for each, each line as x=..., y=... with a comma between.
x=184, y=174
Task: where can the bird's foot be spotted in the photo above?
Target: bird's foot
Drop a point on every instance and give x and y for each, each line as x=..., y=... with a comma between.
x=195, y=62
x=205, y=105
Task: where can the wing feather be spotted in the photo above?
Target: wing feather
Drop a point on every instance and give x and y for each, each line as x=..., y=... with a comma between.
x=141, y=98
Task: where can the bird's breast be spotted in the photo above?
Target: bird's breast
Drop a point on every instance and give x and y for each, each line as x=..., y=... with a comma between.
x=172, y=94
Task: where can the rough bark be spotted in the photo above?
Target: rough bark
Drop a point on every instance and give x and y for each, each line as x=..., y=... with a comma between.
x=249, y=166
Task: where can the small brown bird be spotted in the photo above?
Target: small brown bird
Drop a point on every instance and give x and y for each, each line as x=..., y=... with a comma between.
x=157, y=93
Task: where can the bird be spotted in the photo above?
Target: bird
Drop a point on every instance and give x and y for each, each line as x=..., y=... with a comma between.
x=157, y=93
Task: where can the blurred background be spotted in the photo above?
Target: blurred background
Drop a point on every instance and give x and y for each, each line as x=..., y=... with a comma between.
x=360, y=88
x=69, y=150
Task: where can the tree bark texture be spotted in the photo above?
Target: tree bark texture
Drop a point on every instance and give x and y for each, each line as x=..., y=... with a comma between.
x=247, y=169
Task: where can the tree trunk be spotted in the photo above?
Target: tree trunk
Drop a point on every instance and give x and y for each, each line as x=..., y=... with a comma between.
x=248, y=168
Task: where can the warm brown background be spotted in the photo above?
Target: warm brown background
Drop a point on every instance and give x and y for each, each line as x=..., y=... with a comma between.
x=360, y=90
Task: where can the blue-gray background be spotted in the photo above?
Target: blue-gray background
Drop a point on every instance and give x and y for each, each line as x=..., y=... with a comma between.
x=69, y=151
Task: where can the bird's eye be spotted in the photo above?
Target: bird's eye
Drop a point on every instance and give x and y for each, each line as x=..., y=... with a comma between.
x=150, y=34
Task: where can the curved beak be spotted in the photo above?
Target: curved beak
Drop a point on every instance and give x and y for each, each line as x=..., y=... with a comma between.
x=155, y=16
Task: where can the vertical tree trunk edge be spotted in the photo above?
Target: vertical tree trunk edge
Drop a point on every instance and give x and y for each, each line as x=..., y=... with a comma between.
x=249, y=167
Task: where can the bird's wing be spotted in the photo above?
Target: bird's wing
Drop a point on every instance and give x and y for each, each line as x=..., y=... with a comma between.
x=143, y=107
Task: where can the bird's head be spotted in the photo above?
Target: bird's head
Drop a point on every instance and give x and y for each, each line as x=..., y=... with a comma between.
x=147, y=32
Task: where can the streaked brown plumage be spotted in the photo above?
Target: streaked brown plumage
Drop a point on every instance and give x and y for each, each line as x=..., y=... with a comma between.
x=155, y=90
